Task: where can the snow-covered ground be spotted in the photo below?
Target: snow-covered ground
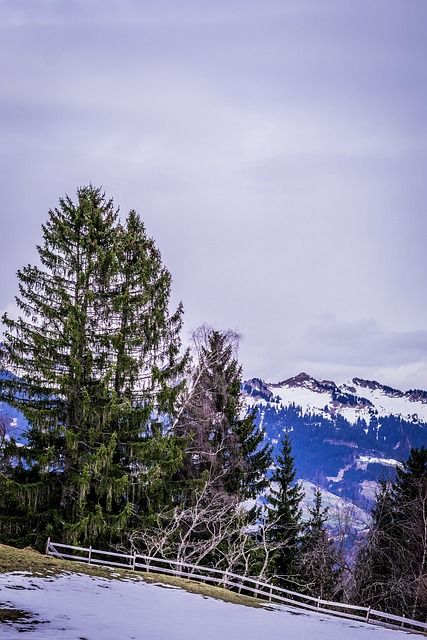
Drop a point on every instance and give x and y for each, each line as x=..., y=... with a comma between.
x=81, y=607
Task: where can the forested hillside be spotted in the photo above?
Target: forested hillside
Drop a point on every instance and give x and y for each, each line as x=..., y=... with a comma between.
x=346, y=438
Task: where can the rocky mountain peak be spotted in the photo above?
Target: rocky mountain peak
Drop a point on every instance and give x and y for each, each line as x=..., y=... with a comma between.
x=305, y=381
x=258, y=389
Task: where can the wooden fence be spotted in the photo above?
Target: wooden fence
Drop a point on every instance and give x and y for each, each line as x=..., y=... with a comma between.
x=232, y=581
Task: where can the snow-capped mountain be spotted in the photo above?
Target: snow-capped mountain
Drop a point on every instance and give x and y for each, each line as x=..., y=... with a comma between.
x=344, y=437
x=354, y=400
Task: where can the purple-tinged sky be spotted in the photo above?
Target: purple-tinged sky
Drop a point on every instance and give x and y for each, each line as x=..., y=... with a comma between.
x=276, y=150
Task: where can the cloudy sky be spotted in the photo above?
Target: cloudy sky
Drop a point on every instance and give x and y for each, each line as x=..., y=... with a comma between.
x=276, y=150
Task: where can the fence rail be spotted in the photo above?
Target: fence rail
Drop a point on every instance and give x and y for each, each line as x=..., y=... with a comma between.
x=232, y=581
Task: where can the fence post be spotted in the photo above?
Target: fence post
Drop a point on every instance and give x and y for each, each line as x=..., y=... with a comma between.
x=271, y=593
x=318, y=603
x=90, y=554
x=47, y=546
x=133, y=560
x=368, y=613
x=225, y=580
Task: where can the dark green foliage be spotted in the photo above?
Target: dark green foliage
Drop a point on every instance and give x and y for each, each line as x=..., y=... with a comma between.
x=255, y=456
x=225, y=461
x=391, y=569
x=284, y=518
x=317, y=561
x=222, y=446
x=95, y=355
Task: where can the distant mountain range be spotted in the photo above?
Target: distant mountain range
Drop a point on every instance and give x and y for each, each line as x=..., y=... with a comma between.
x=344, y=437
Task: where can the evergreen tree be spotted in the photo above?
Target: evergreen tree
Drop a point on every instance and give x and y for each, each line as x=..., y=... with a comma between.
x=284, y=518
x=317, y=563
x=222, y=444
x=375, y=561
x=95, y=360
x=391, y=569
x=225, y=462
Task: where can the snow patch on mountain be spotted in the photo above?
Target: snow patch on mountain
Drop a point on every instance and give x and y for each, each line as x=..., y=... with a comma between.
x=410, y=405
x=354, y=400
x=339, y=510
x=345, y=437
x=363, y=462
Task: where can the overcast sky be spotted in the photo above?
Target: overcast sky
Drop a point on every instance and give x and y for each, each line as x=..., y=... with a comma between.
x=275, y=149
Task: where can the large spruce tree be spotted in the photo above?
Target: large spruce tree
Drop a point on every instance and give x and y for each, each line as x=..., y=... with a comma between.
x=94, y=358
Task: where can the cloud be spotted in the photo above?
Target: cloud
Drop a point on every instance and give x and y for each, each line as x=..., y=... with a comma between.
x=338, y=347
x=363, y=342
x=275, y=151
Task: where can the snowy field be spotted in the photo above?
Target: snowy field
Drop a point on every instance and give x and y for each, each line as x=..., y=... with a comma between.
x=82, y=607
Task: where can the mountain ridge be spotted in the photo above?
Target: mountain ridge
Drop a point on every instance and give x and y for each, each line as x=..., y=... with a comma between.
x=368, y=396
x=345, y=437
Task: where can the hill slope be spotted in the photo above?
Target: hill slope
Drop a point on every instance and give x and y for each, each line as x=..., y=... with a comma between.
x=72, y=606
x=344, y=437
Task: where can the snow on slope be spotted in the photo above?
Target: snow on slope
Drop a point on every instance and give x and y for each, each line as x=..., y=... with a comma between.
x=355, y=399
x=81, y=607
x=338, y=508
x=308, y=399
x=390, y=401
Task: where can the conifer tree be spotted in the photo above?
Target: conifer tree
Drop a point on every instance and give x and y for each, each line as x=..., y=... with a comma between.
x=391, y=568
x=221, y=441
x=284, y=517
x=95, y=361
x=317, y=563
x=225, y=461
x=374, y=559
